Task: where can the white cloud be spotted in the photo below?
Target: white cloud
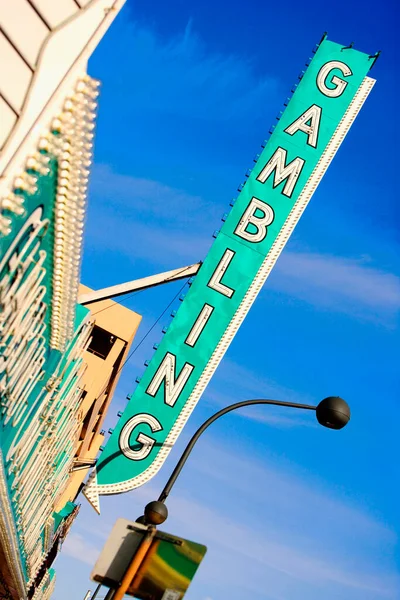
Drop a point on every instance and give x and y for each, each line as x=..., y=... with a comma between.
x=145, y=219
x=237, y=382
x=78, y=547
x=258, y=554
x=168, y=226
x=339, y=284
x=291, y=537
x=191, y=82
x=284, y=557
x=101, y=531
x=256, y=413
x=293, y=533
x=132, y=196
x=289, y=493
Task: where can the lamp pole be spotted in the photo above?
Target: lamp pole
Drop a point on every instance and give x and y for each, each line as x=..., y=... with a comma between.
x=96, y=591
x=332, y=412
x=185, y=455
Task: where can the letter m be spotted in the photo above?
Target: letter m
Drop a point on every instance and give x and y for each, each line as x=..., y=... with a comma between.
x=282, y=172
x=166, y=373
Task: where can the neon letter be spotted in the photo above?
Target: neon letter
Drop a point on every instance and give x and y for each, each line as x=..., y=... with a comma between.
x=146, y=441
x=261, y=223
x=215, y=281
x=277, y=165
x=339, y=84
x=166, y=372
x=309, y=123
x=199, y=325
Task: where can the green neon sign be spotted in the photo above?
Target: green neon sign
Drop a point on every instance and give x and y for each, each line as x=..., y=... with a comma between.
x=43, y=333
x=306, y=138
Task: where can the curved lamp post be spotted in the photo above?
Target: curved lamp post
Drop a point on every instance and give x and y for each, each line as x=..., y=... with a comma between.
x=333, y=412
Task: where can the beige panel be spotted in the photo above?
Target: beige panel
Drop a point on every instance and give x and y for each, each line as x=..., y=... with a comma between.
x=122, y=321
x=100, y=379
x=7, y=121
x=24, y=28
x=56, y=11
x=84, y=2
x=15, y=75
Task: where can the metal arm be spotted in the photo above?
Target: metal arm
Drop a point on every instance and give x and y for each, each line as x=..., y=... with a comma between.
x=175, y=473
x=139, y=284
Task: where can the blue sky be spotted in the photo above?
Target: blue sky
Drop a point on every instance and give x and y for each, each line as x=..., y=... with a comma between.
x=288, y=510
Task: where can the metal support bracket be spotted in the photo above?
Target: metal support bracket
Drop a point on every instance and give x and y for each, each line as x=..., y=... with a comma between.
x=79, y=465
x=139, y=284
x=159, y=535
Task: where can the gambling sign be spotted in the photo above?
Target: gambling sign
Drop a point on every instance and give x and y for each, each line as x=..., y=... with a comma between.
x=306, y=138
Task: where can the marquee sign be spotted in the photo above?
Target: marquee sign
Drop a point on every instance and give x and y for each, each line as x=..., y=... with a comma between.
x=286, y=174
x=48, y=106
x=43, y=332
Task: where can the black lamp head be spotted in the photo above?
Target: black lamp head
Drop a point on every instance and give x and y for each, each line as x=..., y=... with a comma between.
x=155, y=513
x=141, y=520
x=333, y=412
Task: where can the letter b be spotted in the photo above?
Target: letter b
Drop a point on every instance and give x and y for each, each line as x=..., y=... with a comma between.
x=260, y=222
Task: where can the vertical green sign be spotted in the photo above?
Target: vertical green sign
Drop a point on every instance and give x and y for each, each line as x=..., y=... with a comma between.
x=285, y=176
x=43, y=334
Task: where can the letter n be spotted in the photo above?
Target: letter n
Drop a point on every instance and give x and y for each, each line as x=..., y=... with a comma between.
x=172, y=385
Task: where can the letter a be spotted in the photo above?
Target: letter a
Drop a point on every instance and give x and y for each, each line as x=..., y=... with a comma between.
x=308, y=122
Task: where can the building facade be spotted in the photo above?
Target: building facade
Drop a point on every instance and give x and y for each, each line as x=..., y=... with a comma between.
x=52, y=399
x=114, y=328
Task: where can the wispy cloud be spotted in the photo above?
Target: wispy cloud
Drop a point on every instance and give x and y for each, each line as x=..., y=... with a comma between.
x=236, y=381
x=132, y=196
x=292, y=536
x=339, y=284
x=148, y=220
x=77, y=546
x=149, y=242
x=283, y=557
x=294, y=495
x=168, y=226
x=298, y=517
x=190, y=81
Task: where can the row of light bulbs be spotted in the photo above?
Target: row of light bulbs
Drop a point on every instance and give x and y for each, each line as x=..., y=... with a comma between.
x=59, y=440
x=70, y=142
x=73, y=135
x=46, y=588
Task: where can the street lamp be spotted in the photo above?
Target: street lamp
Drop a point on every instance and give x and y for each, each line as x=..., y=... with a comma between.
x=332, y=412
